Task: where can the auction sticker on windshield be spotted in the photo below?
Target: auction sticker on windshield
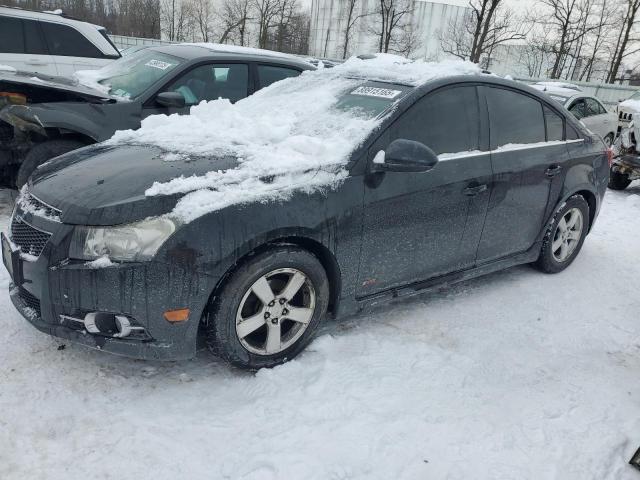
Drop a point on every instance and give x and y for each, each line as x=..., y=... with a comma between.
x=158, y=64
x=376, y=92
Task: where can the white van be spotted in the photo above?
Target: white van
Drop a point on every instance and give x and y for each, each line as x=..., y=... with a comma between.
x=52, y=44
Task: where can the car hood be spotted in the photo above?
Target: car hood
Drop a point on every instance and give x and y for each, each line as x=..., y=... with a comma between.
x=629, y=106
x=49, y=88
x=106, y=184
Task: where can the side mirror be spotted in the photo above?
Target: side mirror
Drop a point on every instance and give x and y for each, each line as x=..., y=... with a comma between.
x=404, y=156
x=170, y=100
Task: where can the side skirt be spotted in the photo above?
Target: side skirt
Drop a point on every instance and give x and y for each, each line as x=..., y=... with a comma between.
x=431, y=284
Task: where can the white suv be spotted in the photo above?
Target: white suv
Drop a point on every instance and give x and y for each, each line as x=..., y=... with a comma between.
x=52, y=44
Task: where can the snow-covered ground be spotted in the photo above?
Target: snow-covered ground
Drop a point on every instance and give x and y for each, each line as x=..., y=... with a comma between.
x=518, y=375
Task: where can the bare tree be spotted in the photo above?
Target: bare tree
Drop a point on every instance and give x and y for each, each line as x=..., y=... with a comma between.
x=488, y=23
x=624, y=39
x=235, y=18
x=393, y=17
x=351, y=18
x=203, y=18
x=267, y=12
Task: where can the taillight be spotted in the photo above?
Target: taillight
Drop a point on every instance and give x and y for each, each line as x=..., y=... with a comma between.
x=610, y=155
x=14, y=98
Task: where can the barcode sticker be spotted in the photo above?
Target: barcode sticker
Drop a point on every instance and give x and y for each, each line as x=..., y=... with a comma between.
x=158, y=64
x=376, y=92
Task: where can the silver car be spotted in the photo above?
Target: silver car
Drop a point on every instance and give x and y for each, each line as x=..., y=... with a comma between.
x=586, y=108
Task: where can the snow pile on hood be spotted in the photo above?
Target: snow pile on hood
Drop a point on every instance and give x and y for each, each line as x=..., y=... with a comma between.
x=287, y=137
x=91, y=78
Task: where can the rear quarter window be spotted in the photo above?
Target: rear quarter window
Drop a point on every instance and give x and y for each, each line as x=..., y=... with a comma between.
x=515, y=118
x=268, y=74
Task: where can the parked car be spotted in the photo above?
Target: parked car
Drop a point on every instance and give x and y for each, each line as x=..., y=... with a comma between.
x=47, y=116
x=52, y=44
x=627, y=110
x=586, y=108
x=325, y=193
x=625, y=167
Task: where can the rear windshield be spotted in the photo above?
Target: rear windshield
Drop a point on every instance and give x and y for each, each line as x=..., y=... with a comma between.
x=133, y=74
x=371, y=99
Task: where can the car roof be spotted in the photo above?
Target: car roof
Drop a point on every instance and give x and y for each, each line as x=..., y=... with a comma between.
x=228, y=52
x=45, y=16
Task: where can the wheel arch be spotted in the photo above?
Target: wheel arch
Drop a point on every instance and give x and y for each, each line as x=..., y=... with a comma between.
x=590, y=197
x=320, y=251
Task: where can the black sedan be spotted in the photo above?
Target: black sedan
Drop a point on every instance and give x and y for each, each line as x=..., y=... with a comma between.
x=42, y=117
x=356, y=184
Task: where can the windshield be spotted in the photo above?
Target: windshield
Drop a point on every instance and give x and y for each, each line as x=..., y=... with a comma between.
x=370, y=100
x=635, y=96
x=130, y=76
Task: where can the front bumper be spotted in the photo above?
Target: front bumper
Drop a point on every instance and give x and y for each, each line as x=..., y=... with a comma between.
x=51, y=287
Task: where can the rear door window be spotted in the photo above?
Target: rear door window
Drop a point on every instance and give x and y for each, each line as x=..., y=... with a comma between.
x=33, y=40
x=593, y=107
x=66, y=41
x=268, y=74
x=213, y=81
x=578, y=109
x=514, y=118
x=11, y=35
x=447, y=121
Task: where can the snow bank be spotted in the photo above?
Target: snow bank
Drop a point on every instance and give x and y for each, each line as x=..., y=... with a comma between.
x=290, y=133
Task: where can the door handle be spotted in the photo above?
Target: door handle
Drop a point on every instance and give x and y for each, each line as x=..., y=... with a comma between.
x=553, y=170
x=475, y=189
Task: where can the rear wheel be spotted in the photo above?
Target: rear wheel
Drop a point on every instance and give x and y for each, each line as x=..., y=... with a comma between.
x=618, y=181
x=565, y=235
x=42, y=152
x=269, y=308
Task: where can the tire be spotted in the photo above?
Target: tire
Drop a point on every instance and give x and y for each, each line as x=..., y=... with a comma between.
x=42, y=152
x=618, y=181
x=560, y=248
x=250, y=348
x=608, y=140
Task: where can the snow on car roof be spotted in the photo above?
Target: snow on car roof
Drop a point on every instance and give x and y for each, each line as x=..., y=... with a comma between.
x=558, y=89
x=290, y=132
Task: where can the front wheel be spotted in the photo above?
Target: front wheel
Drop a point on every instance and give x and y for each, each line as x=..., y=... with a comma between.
x=565, y=235
x=269, y=308
x=618, y=181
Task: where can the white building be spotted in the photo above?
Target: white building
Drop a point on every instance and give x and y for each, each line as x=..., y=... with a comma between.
x=429, y=18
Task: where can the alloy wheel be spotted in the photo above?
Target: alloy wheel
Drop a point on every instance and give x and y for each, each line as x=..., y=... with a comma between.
x=567, y=235
x=275, y=311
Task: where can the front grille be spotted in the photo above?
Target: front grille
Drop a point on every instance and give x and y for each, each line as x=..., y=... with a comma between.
x=30, y=300
x=35, y=206
x=28, y=238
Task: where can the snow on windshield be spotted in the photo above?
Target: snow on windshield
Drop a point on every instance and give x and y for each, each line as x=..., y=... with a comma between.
x=297, y=133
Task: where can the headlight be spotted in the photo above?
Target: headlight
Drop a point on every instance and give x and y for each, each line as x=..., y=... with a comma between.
x=133, y=242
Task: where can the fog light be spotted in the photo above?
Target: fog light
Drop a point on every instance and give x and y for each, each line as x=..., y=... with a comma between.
x=635, y=460
x=175, y=316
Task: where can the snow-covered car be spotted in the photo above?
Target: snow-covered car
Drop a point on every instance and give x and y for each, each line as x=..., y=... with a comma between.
x=628, y=109
x=42, y=117
x=625, y=167
x=328, y=192
x=51, y=43
x=586, y=108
